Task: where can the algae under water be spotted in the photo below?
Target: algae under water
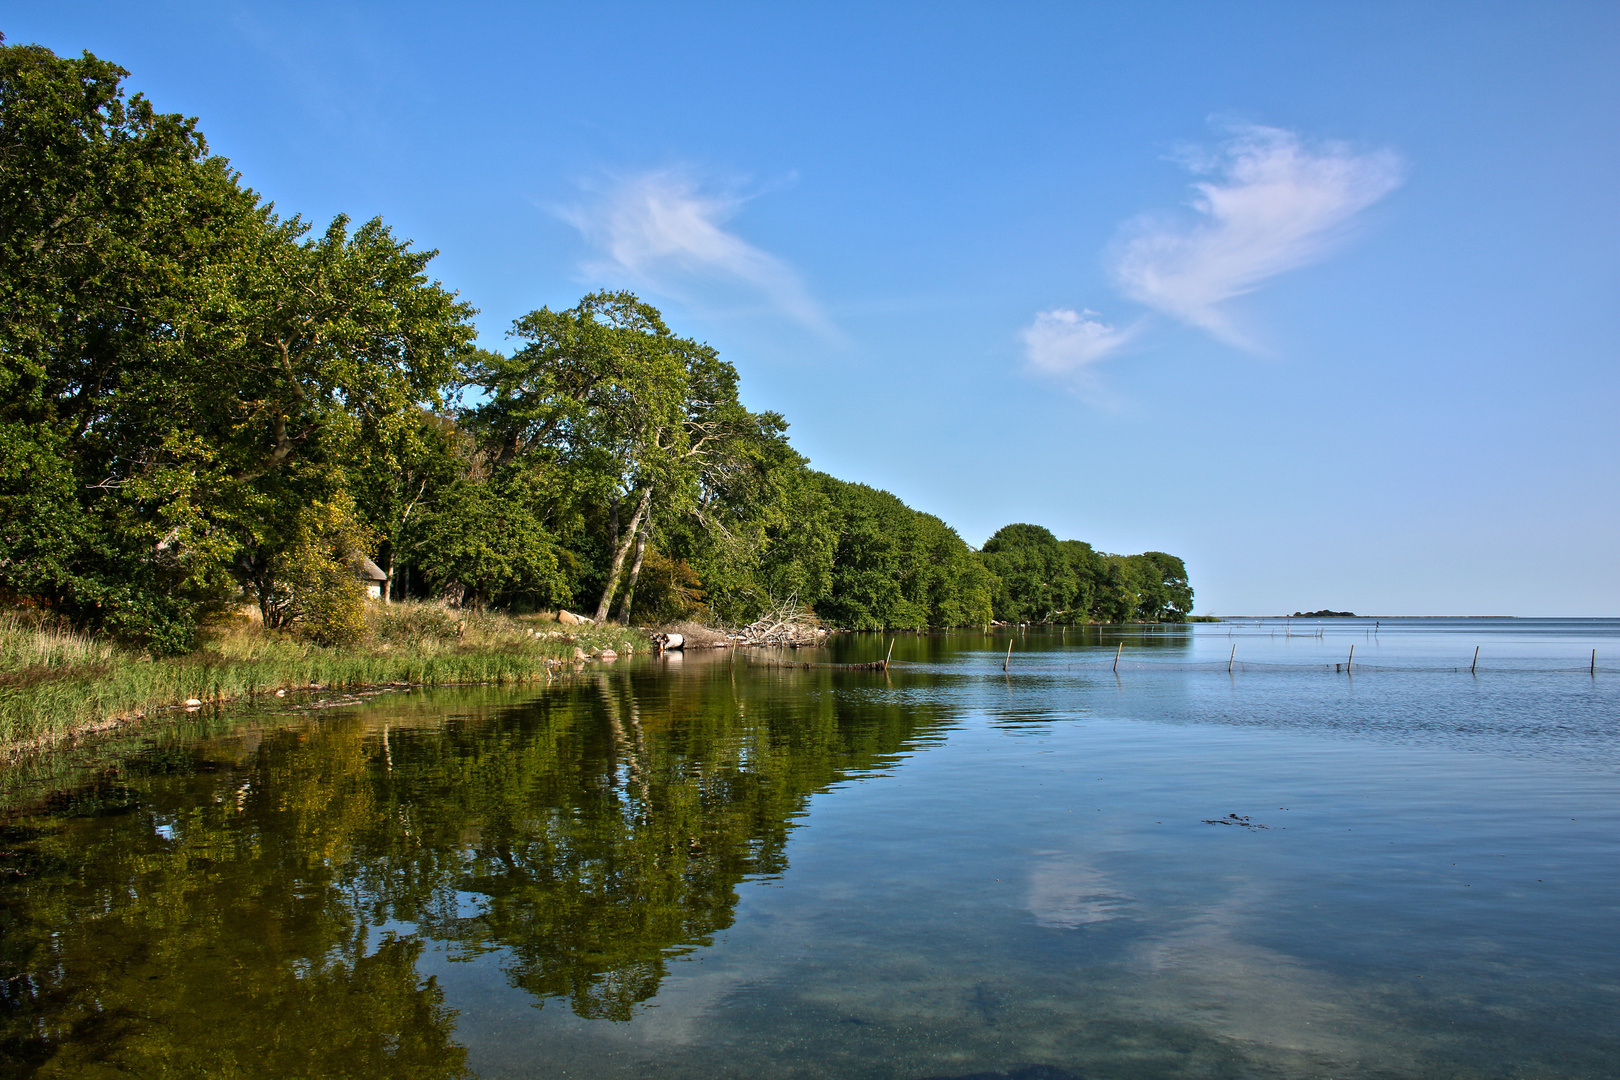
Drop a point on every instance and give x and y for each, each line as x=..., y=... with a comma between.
x=707, y=867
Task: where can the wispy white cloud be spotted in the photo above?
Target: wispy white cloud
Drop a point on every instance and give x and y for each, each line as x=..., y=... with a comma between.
x=1063, y=340
x=665, y=232
x=1272, y=203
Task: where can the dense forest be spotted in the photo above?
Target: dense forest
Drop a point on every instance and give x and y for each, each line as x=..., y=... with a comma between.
x=204, y=403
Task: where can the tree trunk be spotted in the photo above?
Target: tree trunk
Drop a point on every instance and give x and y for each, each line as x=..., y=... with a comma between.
x=621, y=548
x=388, y=585
x=635, y=573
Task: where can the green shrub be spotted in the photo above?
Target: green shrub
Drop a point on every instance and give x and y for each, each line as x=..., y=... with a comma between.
x=327, y=601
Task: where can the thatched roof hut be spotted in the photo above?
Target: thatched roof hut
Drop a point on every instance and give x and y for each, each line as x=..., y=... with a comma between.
x=372, y=574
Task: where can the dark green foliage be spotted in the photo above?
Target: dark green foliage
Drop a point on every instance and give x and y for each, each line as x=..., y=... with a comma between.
x=1035, y=580
x=112, y=217
x=482, y=543
x=320, y=595
x=872, y=564
x=894, y=567
x=180, y=370
x=1040, y=578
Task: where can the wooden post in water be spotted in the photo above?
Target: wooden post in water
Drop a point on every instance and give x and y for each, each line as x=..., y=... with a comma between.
x=891, y=653
x=1229, y=660
x=1475, y=664
x=1594, y=663
x=1116, y=656
x=1007, y=661
x=1352, y=659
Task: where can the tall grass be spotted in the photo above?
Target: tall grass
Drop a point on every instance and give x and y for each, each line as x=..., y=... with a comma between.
x=54, y=682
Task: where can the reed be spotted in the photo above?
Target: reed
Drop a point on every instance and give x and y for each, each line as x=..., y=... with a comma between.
x=54, y=682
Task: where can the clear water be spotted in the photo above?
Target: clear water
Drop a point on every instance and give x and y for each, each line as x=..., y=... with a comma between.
x=710, y=867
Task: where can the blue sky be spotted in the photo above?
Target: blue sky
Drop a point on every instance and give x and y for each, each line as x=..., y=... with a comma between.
x=1323, y=297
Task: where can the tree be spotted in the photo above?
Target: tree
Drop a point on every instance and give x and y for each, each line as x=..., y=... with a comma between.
x=1164, y=595
x=180, y=370
x=1086, y=570
x=482, y=542
x=761, y=532
x=114, y=223
x=960, y=589
x=608, y=403
x=317, y=590
x=399, y=467
x=1036, y=583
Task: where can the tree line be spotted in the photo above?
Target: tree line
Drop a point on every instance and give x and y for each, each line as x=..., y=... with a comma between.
x=204, y=402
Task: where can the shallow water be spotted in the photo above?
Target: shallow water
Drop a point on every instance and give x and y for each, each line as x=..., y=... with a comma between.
x=706, y=866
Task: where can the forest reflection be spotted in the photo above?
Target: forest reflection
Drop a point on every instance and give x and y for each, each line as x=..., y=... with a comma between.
x=256, y=904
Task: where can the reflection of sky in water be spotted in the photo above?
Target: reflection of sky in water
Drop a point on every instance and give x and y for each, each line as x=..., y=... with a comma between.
x=1434, y=894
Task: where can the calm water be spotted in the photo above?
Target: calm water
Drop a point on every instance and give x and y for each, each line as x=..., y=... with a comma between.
x=706, y=867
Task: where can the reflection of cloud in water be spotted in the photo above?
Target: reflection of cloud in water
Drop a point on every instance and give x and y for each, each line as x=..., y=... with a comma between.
x=1206, y=974
x=676, y=1016
x=1066, y=892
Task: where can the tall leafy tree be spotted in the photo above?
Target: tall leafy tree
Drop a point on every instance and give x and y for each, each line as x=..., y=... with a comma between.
x=1035, y=580
x=483, y=542
x=116, y=228
x=614, y=407
x=180, y=370
x=401, y=467
x=338, y=343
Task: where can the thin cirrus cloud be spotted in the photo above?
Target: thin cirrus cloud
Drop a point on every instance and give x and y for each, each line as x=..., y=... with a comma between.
x=1270, y=204
x=665, y=233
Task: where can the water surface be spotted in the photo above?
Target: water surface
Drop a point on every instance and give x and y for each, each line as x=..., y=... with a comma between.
x=708, y=866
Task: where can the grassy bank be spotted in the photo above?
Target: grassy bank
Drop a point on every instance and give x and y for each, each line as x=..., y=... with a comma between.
x=54, y=682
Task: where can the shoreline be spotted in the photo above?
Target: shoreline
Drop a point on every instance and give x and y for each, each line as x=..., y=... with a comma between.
x=59, y=686
x=349, y=694
x=78, y=687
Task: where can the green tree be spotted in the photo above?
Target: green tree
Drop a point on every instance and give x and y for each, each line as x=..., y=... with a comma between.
x=1086, y=570
x=400, y=467
x=1035, y=579
x=341, y=342
x=868, y=581
x=482, y=542
x=1118, y=591
x=605, y=403
x=180, y=370
x=762, y=532
x=960, y=588
x=1164, y=593
x=115, y=225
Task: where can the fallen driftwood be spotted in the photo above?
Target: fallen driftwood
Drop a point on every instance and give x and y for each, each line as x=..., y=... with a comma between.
x=787, y=625
x=568, y=618
x=692, y=635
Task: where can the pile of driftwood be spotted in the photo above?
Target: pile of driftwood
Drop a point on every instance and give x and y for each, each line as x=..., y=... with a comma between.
x=787, y=625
